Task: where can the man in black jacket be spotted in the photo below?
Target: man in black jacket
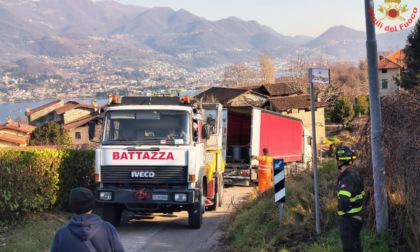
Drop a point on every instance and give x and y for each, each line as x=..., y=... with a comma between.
x=350, y=200
x=86, y=231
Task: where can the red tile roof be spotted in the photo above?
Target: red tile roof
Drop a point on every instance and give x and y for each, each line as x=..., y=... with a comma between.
x=387, y=64
x=274, y=89
x=72, y=105
x=221, y=94
x=395, y=60
x=42, y=107
x=279, y=89
x=25, y=128
x=12, y=139
x=80, y=121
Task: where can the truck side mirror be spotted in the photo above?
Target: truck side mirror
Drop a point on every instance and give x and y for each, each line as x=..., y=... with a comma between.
x=91, y=130
x=205, y=131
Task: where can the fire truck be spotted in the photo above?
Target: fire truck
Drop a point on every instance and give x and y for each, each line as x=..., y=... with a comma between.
x=160, y=155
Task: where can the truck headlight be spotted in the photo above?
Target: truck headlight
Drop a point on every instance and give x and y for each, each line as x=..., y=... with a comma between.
x=181, y=197
x=105, y=196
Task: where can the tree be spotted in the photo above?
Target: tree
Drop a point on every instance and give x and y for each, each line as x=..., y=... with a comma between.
x=238, y=75
x=50, y=133
x=297, y=75
x=343, y=111
x=268, y=71
x=410, y=76
x=361, y=107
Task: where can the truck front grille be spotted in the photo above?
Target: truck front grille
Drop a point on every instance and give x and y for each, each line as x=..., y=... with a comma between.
x=145, y=174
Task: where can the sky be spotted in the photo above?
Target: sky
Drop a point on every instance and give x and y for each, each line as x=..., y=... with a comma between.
x=288, y=17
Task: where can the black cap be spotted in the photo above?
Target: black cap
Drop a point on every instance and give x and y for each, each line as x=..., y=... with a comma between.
x=81, y=200
x=265, y=151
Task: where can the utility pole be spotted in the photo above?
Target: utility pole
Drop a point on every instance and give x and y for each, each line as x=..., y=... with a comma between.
x=381, y=202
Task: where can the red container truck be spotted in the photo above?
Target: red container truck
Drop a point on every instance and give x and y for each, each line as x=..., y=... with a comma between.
x=249, y=130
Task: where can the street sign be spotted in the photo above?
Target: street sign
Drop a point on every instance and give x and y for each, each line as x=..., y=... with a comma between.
x=279, y=183
x=320, y=75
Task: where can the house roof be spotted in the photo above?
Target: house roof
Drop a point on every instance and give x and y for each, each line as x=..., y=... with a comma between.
x=25, y=128
x=275, y=89
x=395, y=60
x=221, y=94
x=42, y=107
x=278, y=89
x=387, y=64
x=12, y=139
x=72, y=105
x=80, y=121
x=295, y=102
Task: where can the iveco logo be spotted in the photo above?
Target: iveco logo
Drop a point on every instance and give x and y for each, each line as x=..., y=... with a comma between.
x=142, y=174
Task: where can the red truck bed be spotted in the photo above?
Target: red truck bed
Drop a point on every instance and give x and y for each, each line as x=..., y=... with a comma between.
x=282, y=135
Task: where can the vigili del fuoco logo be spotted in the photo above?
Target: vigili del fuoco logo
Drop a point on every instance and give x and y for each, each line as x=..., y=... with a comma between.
x=393, y=15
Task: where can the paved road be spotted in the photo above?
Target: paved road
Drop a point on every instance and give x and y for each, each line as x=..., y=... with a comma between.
x=160, y=232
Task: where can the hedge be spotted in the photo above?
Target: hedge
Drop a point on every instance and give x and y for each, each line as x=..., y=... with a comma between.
x=34, y=180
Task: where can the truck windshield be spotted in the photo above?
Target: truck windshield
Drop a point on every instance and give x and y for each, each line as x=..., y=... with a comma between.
x=146, y=127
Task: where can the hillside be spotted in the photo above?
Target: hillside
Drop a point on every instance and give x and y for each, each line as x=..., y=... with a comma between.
x=78, y=27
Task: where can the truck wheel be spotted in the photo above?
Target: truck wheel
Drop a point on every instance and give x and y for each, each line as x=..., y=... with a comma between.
x=112, y=213
x=221, y=189
x=195, y=214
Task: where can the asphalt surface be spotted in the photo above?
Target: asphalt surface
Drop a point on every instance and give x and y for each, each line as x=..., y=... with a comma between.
x=170, y=232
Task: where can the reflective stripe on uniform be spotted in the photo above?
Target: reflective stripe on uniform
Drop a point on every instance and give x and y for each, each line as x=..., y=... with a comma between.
x=354, y=199
x=348, y=194
x=345, y=193
x=353, y=210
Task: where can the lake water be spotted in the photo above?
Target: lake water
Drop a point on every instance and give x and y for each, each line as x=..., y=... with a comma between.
x=17, y=109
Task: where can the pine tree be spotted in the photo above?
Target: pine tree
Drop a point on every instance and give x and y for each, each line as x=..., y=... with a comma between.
x=361, y=107
x=342, y=112
x=410, y=76
x=50, y=133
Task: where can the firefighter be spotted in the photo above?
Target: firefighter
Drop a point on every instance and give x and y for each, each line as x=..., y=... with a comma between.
x=265, y=171
x=350, y=200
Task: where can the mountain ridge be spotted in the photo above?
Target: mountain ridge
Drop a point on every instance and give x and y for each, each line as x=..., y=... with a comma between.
x=77, y=27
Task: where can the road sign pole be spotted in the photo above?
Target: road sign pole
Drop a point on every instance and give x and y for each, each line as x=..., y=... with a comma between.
x=281, y=213
x=314, y=157
x=279, y=185
x=316, y=75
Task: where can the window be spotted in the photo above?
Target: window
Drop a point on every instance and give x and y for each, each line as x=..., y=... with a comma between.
x=385, y=84
x=77, y=135
x=384, y=70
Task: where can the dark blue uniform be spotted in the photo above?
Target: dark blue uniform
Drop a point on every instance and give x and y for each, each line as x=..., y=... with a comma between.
x=350, y=205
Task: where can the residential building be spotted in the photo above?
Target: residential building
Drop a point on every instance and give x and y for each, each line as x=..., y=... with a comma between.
x=74, y=116
x=14, y=134
x=389, y=68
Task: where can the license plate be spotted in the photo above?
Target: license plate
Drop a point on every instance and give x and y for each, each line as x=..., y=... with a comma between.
x=160, y=197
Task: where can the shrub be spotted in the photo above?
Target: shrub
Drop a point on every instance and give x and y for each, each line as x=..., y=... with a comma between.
x=77, y=169
x=28, y=181
x=39, y=179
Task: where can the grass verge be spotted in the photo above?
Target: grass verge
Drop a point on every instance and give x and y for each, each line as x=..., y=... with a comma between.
x=34, y=232
x=256, y=225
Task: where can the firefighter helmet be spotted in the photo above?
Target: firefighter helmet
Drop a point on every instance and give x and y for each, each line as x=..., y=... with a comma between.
x=345, y=156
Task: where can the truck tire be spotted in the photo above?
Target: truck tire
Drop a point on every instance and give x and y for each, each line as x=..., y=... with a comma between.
x=195, y=214
x=112, y=213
